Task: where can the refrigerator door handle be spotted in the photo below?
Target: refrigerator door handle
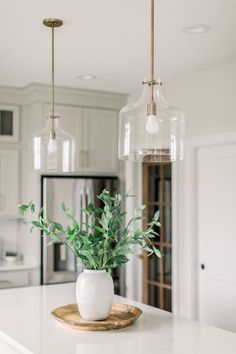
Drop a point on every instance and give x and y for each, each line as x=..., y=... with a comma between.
x=87, y=201
x=88, y=195
x=82, y=205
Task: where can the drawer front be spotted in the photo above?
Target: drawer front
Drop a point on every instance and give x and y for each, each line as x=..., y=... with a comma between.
x=14, y=279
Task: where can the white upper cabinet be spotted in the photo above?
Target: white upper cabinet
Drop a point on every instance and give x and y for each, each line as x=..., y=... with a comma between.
x=70, y=117
x=9, y=182
x=100, y=136
x=96, y=134
x=71, y=121
x=9, y=123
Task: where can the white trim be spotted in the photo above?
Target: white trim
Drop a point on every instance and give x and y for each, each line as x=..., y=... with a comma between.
x=134, y=281
x=139, y=177
x=175, y=237
x=64, y=96
x=187, y=288
x=75, y=96
x=209, y=140
x=129, y=268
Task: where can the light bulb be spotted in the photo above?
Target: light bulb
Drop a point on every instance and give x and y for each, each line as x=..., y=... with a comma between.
x=152, y=125
x=52, y=146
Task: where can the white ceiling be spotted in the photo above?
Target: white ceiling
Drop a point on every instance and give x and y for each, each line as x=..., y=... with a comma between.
x=110, y=38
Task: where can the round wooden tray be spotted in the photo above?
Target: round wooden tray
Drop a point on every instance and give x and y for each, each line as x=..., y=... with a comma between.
x=121, y=316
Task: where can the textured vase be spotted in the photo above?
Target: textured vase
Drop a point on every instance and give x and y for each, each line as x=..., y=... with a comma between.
x=94, y=294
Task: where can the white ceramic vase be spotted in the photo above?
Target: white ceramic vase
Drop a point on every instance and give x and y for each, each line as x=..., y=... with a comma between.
x=94, y=294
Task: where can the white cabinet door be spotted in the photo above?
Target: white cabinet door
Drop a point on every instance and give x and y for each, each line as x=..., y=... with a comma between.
x=217, y=235
x=96, y=135
x=9, y=182
x=100, y=140
x=71, y=122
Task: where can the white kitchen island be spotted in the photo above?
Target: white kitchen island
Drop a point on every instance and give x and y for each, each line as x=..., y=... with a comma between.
x=26, y=326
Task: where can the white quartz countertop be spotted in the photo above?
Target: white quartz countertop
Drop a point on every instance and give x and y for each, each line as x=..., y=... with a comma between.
x=26, y=326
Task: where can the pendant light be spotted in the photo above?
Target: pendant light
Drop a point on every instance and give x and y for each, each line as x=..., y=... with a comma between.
x=53, y=148
x=152, y=129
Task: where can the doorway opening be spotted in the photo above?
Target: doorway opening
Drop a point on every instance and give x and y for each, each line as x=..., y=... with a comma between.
x=157, y=273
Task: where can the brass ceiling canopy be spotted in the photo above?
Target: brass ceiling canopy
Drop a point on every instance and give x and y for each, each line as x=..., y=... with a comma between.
x=52, y=22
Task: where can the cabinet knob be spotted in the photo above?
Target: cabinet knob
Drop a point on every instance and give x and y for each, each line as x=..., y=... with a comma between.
x=203, y=266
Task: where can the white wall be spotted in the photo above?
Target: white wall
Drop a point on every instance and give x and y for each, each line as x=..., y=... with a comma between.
x=208, y=99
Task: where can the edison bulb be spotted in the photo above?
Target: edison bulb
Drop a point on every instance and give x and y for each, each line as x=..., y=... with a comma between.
x=152, y=125
x=52, y=146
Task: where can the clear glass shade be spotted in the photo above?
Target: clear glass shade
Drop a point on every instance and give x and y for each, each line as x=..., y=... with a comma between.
x=154, y=137
x=53, y=154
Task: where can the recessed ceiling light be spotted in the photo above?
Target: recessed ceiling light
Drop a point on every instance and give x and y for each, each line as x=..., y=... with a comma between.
x=87, y=77
x=196, y=28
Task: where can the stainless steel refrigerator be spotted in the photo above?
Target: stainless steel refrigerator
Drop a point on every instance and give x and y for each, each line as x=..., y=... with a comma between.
x=58, y=264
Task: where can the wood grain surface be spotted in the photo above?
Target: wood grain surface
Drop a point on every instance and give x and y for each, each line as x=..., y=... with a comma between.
x=121, y=316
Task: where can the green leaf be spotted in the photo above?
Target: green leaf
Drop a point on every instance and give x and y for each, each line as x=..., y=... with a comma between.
x=121, y=259
x=63, y=206
x=99, y=229
x=141, y=208
x=22, y=208
x=58, y=226
x=156, y=215
x=37, y=224
x=148, y=249
x=32, y=207
x=90, y=208
x=157, y=252
x=83, y=257
x=104, y=240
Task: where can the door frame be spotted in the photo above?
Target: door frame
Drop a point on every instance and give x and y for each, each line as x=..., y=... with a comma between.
x=185, y=242
x=134, y=268
x=184, y=233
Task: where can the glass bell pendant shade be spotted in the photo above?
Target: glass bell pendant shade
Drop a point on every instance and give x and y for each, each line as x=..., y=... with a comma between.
x=53, y=152
x=151, y=130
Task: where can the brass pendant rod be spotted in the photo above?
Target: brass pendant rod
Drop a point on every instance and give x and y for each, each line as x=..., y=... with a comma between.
x=152, y=48
x=53, y=74
x=52, y=23
x=53, y=133
x=152, y=40
x=151, y=107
